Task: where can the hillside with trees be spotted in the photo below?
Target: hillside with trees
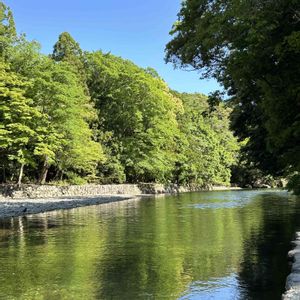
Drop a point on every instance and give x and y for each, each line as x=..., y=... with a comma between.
x=75, y=116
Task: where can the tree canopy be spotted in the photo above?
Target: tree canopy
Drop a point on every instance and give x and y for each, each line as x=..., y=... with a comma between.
x=252, y=49
x=7, y=28
x=76, y=116
x=140, y=113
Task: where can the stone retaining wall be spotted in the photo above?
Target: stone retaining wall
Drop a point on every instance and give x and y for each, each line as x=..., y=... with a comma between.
x=52, y=191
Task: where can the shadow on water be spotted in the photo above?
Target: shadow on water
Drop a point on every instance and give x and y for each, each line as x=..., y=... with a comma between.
x=264, y=266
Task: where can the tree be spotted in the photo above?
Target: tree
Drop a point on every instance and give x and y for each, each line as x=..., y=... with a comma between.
x=7, y=29
x=67, y=50
x=139, y=112
x=57, y=92
x=18, y=121
x=252, y=48
x=208, y=148
x=66, y=141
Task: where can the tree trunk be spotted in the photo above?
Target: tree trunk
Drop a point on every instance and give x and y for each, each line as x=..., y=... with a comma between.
x=61, y=175
x=43, y=175
x=21, y=174
x=4, y=174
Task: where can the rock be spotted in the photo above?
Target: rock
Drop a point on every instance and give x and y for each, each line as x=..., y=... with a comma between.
x=292, y=294
x=296, y=267
x=295, y=243
x=292, y=253
x=297, y=257
x=282, y=183
x=261, y=185
x=265, y=186
x=293, y=281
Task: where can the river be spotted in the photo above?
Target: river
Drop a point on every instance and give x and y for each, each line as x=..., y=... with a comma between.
x=207, y=245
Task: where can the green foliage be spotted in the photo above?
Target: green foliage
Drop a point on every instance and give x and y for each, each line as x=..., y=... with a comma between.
x=75, y=179
x=81, y=154
x=59, y=110
x=139, y=113
x=57, y=93
x=19, y=120
x=111, y=170
x=209, y=148
x=68, y=50
x=7, y=29
x=91, y=117
x=252, y=48
x=294, y=183
x=70, y=111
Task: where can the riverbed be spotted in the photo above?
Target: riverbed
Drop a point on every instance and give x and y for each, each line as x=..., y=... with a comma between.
x=206, y=245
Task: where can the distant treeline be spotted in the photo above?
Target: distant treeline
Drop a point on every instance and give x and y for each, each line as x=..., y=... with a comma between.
x=77, y=117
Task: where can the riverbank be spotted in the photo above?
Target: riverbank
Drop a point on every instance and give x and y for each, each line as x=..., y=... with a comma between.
x=90, y=190
x=32, y=199
x=293, y=280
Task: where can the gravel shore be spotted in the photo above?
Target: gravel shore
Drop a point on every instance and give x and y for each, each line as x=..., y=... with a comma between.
x=14, y=208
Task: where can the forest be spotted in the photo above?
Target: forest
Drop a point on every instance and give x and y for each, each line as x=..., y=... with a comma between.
x=252, y=49
x=76, y=117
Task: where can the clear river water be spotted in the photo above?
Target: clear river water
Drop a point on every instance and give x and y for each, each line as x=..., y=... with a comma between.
x=207, y=245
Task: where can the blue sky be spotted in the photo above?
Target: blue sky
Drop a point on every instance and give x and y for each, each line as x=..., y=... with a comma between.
x=134, y=29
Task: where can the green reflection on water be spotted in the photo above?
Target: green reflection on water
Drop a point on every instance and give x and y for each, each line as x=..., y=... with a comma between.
x=155, y=248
